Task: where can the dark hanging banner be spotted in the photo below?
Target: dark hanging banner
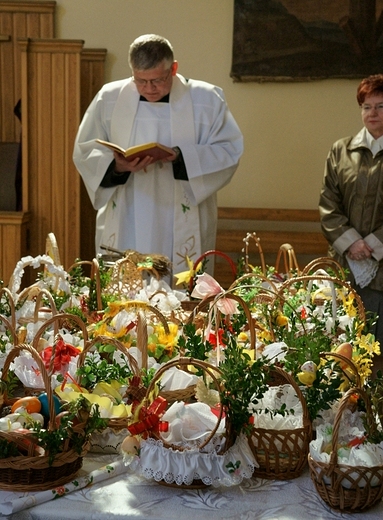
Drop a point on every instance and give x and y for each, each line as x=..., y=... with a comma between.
x=304, y=40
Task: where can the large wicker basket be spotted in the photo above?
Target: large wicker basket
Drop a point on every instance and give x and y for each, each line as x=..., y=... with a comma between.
x=170, y=456
x=342, y=487
x=33, y=471
x=282, y=454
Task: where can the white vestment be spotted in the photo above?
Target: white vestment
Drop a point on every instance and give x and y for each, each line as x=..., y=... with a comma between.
x=152, y=212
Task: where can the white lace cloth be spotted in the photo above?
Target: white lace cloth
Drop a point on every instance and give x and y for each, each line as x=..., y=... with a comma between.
x=274, y=398
x=364, y=271
x=183, y=467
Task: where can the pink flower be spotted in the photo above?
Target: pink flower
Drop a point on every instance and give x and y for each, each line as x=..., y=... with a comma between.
x=207, y=286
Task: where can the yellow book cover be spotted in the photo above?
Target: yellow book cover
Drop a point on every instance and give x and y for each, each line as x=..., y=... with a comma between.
x=155, y=150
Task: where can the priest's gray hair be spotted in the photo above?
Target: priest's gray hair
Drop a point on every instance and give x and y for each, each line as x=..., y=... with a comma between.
x=148, y=51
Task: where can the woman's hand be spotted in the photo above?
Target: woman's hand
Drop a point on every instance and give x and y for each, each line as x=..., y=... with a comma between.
x=359, y=250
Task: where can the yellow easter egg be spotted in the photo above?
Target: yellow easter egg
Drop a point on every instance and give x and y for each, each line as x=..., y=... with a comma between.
x=306, y=378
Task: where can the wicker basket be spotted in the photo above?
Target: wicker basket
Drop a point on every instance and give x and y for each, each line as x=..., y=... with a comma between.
x=33, y=471
x=282, y=454
x=308, y=280
x=342, y=487
x=109, y=440
x=170, y=475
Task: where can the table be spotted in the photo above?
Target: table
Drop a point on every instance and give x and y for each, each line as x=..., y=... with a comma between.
x=124, y=495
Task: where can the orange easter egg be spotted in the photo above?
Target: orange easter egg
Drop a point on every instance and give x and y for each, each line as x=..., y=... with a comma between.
x=29, y=404
x=345, y=349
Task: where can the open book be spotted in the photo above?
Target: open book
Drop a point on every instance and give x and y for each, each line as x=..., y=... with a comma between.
x=155, y=150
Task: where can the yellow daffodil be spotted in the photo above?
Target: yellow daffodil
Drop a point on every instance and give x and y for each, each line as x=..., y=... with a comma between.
x=185, y=276
x=264, y=336
x=282, y=320
x=164, y=338
x=348, y=303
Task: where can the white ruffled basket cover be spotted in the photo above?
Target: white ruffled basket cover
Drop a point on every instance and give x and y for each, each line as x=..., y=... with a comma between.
x=183, y=467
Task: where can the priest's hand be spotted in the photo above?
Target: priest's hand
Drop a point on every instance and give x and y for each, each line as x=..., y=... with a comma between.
x=124, y=165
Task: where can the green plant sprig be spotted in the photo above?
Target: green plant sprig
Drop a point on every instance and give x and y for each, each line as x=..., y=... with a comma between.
x=80, y=412
x=243, y=384
x=94, y=371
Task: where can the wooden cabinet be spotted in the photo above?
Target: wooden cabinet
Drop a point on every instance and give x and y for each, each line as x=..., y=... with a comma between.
x=56, y=80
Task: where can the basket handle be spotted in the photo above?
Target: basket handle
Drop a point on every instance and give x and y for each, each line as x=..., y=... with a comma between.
x=213, y=252
x=16, y=350
x=324, y=262
x=11, y=301
x=56, y=320
x=346, y=360
x=211, y=370
x=214, y=299
x=336, y=281
x=94, y=275
x=110, y=341
x=343, y=405
x=290, y=261
x=245, y=250
x=8, y=325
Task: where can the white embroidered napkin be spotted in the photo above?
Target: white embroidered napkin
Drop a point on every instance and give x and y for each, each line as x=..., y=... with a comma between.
x=363, y=270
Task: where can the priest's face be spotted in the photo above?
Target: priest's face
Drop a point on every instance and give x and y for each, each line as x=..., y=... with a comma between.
x=155, y=83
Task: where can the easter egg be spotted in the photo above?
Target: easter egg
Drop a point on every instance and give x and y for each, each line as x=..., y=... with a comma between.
x=130, y=445
x=306, y=378
x=309, y=366
x=43, y=398
x=29, y=404
x=308, y=373
x=345, y=349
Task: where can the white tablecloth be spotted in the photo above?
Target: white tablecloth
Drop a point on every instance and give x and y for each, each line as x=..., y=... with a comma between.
x=127, y=496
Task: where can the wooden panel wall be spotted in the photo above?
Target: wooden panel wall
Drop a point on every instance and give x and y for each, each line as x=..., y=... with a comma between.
x=50, y=71
x=33, y=19
x=298, y=227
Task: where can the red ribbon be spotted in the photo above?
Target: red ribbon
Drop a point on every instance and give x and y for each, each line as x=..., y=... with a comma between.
x=149, y=417
x=63, y=353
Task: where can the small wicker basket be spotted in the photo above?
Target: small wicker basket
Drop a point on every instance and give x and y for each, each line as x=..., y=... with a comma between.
x=35, y=471
x=282, y=454
x=109, y=440
x=342, y=487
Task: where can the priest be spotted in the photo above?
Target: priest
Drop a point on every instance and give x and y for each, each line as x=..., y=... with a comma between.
x=167, y=206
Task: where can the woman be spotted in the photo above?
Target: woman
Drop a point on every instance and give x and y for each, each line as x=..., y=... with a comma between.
x=351, y=203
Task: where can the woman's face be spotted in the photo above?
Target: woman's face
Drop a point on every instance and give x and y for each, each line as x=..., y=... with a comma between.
x=372, y=115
